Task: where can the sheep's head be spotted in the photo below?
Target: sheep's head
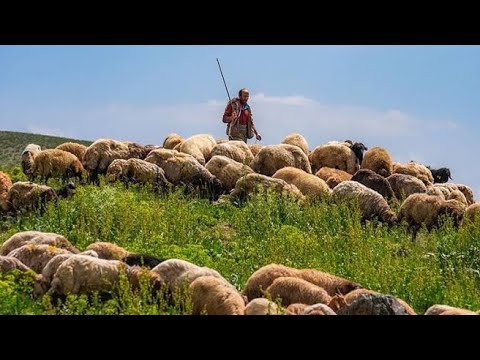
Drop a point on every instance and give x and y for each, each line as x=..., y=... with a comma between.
x=348, y=286
x=358, y=149
x=453, y=209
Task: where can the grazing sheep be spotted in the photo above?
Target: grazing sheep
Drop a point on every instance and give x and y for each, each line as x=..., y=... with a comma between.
x=414, y=169
x=102, y=152
x=250, y=183
x=36, y=237
x=262, y=306
x=374, y=181
x=297, y=140
x=472, y=211
x=447, y=310
x=326, y=173
x=28, y=157
x=340, y=301
x=181, y=168
x=26, y=195
x=108, y=251
x=318, y=309
x=215, y=297
x=372, y=204
x=435, y=191
x=138, y=172
x=337, y=156
x=274, y=157
x=296, y=309
x=43, y=282
x=227, y=170
x=84, y=274
x=468, y=192
x=374, y=304
x=5, y=185
x=457, y=195
x=58, y=164
x=333, y=181
x=440, y=175
x=261, y=279
x=255, y=148
x=142, y=260
x=9, y=263
x=405, y=185
x=76, y=149
x=423, y=209
x=36, y=256
x=379, y=161
x=310, y=185
x=172, y=269
x=136, y=274
x=199, y=146
x=236, y=150
x=172, y=140
x=295, y=290
x=189, y=276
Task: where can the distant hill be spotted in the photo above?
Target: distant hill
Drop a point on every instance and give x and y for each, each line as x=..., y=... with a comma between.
x=12, y=144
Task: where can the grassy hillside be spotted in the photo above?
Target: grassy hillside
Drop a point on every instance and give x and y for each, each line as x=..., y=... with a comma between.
x=12, y=144
x=440, y=268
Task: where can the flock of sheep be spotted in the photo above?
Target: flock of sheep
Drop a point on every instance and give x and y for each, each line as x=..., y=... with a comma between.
x=60, y=269
x=232, y=170
x=344, y=171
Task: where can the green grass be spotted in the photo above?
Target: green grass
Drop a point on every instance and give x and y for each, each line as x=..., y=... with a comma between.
x=12, y=144
x=442, y=267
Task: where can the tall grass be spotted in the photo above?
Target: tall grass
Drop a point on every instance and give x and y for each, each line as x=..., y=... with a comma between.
x=442, y=267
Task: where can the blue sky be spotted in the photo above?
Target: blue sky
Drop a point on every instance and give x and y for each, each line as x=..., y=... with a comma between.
x=419, y=102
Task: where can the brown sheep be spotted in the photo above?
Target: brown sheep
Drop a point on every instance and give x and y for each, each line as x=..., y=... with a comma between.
x=296, y=309
x=199, y=146
x=255, y=148
x=472, y=211
x=76, y=149
x=181, y=168
x=457, y=195
x=250, y=183
x=136, y=274
x=375, y=182
x=227, y=170
x=172, y=269
x=172, y=140
x=9, y=263
x=405, y=185
x=447, y=310
x=215, y=297
x=379, y=161
x=137, y=171
x=372, y=204
x=102, y=152
x=25, y=196
x=36, y=256
x=28, y=157
x=414, y=169
x=468, y=192
x=310, y=185
x=261, y=279
x=36, y=237
x=58, y=164
x=297, y=140
x=262, y=306
x=84, y=274
x=5, y=185
x=435, y=191
x=108, y=251
x=236, y=150
x=318, y=309
x=274, y=157
x=326, y=173
x=295, y=290
x=423, y=209
x=337, y=156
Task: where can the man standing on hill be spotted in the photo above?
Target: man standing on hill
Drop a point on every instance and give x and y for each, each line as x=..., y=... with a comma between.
x=238, y=116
